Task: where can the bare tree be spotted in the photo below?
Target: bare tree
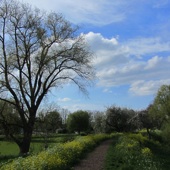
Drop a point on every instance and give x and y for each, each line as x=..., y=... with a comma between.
x=38, y=51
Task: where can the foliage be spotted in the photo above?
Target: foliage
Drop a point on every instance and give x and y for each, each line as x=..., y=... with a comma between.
x=48, y=122
x=78, y=121
x=161, y=153
x=165, y=133
x=60, y=157
x=99, y=122
x=128, y=153
x=160, y=109
x=10, y=122
x=145, y=119
x=138, y=137
x=120, y=119
x=9, y=149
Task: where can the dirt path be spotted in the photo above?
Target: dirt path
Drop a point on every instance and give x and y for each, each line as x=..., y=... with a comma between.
x=95, y=159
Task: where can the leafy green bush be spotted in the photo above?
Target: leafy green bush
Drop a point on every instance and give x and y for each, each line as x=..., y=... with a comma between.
x=129, y=153
x=138, y=137
x=166, y=133
x=60, y=157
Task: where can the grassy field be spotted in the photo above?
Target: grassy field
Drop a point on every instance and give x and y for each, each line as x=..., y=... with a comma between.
x=10, y=150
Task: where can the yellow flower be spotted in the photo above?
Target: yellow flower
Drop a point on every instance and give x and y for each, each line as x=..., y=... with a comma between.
x=146, y=151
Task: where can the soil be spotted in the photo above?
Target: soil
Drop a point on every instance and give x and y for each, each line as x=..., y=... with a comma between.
x=95, y=159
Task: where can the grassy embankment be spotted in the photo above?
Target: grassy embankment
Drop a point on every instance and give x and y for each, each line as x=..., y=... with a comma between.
x=134, y=151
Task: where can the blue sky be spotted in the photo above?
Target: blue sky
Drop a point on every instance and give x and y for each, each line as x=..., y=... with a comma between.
x=131, y=43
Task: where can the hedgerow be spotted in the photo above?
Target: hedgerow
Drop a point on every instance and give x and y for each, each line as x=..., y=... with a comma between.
x=60, y=157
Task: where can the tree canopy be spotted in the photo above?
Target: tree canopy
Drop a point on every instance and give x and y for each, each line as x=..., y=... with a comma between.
x=160, y=109
x=78, y=121
x=38, y=51
x=120, y=119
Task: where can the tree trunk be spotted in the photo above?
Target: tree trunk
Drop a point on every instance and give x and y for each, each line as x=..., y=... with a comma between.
x=79, y=132
x=24, y=146
x=149, y=135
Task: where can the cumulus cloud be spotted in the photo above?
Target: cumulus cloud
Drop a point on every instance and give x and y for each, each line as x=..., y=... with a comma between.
x=153, y=62
x=142, y=46
x=106, y=50
x=118, y=63
x=142, y=87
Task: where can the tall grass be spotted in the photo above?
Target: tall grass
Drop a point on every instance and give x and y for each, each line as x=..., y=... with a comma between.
x=129, y=152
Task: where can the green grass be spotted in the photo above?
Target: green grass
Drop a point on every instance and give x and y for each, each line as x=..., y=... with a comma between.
x=127, y=153
x=111, y=159
x=10, y=150
x=161, y=153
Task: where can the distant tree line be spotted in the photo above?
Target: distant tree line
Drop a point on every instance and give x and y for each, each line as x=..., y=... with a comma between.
x=114, y=119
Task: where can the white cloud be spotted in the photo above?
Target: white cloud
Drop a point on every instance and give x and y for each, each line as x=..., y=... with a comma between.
x=153, y=62
x=143, y=88
x=143, y=46
x=106, y=90
x=96, y=12
x=118, y=64
x=106, y=50
x=64, y=99
x=81, y=106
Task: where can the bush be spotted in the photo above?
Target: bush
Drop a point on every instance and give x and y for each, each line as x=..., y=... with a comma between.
x=130, y=153
x=60, y=157
x=138, y=137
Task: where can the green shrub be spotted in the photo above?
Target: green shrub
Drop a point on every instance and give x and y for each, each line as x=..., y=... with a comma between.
x=60, y=157
x=138, y=137
x=166, y=133
x=129, y=153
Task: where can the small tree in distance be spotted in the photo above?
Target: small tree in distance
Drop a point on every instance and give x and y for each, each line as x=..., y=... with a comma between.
x=38, y=51
x=120, y=119
x=10, y=122
x=48, y=122
x=99, y=122
x=159, y=111
x=78, y=121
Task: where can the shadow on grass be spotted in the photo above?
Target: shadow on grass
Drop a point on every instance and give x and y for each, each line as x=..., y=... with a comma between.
x=7, y=158
x=161, y=153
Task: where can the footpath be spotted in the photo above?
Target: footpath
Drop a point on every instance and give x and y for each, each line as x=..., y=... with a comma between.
x=95, y=159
